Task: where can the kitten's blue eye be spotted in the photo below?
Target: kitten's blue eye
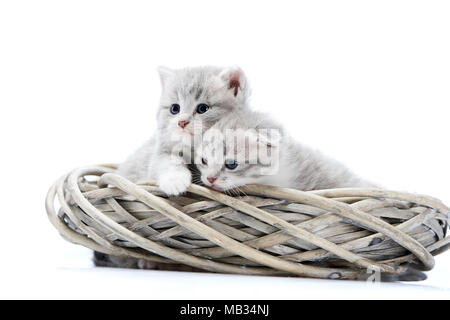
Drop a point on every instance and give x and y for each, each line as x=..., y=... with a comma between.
x=204, y=161
x=175, y=108
x=231, y=164
x=202, y=108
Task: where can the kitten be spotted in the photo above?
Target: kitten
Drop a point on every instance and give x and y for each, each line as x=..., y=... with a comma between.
x=225, y=163
x=278, y=159
x=272, y=157
x=192, y=100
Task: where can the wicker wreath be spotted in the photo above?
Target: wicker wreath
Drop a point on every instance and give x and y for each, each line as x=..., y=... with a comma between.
x=334, y=234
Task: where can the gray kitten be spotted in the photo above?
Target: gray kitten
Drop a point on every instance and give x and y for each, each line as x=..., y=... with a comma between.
x=250, y=148
x=192, y=100
x=278, y=159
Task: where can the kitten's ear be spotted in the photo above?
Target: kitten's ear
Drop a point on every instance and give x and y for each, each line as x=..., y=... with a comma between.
x=164, y=74
x=235, y=80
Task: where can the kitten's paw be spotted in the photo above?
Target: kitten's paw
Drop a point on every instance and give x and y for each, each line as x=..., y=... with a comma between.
x=175, y=182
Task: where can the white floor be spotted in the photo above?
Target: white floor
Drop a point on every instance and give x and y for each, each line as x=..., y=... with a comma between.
x=67, y=273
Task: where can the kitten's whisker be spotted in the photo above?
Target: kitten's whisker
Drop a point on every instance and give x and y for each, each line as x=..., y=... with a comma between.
x=232, y=190
x=240, y=190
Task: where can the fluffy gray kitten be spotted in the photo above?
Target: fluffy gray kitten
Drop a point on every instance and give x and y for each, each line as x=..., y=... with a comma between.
x=225, y=164
x=192, y=100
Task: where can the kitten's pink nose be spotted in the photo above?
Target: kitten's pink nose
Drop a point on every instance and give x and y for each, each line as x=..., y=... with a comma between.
x=183, y=123
x=211, y=179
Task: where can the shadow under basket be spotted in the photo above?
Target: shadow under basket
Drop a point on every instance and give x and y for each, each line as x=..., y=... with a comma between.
x=264, y=230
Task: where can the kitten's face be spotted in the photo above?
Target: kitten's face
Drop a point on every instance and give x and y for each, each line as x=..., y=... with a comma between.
x=193, y=99
x=235, y=159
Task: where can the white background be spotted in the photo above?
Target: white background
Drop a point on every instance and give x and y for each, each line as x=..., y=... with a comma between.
x=365, y=81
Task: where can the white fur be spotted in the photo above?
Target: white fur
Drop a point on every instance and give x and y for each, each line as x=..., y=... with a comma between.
x=295, y=165
x=159, y=158
x=175, y=181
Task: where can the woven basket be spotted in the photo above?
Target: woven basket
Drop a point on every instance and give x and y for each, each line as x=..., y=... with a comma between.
x=335, y=234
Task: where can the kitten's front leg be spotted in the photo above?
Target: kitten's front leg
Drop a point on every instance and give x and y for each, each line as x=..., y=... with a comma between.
x=175, y=181
x=174, y=177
